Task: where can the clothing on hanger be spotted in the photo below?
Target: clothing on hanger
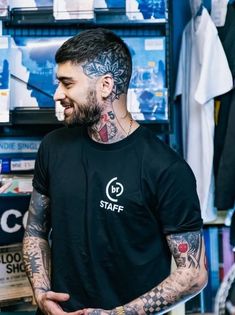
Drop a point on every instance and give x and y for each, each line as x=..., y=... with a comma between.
x=224, y=149
x=219, y=11
x=203, y=73
x=196, y=7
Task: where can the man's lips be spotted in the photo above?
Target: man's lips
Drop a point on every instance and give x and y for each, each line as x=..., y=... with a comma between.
x=66, y=105
x=68, y=108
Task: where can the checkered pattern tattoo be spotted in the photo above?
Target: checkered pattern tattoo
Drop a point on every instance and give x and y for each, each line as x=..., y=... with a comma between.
x=154, y=302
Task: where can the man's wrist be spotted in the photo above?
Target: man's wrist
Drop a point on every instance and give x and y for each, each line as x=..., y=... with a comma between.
x=39, y=291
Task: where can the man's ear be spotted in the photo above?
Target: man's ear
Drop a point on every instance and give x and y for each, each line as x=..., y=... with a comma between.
x=107, y=84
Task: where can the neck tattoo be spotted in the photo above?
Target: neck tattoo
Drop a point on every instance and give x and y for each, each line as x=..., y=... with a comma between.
x=130, y=126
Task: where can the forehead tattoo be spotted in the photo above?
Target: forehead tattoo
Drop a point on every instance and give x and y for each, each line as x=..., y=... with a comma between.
x=113, y=62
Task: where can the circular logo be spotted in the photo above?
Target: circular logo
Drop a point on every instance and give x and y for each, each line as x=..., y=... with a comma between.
x=114, y=189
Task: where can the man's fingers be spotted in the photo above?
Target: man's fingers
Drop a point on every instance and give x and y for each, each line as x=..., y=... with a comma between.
x=54, y=296
x=51, y=306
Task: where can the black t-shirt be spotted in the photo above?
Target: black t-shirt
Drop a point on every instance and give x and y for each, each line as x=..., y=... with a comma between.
x=224, y=149
x=111, y=207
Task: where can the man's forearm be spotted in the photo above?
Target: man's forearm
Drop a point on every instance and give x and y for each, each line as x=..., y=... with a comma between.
x=187, y=280
x=180, y=286
x=36, y=254
x=167, y=294
x=36, y=251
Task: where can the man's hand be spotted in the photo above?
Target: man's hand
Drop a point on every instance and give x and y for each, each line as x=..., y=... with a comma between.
x=48, y=302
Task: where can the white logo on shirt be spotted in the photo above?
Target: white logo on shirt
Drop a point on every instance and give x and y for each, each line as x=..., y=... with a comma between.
x=114, y=189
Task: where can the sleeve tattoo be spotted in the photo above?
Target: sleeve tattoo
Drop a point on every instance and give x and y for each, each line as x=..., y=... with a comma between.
x=186, y=281
x=36, y=251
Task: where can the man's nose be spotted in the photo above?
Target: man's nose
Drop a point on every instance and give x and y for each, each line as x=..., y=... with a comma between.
x=59, y=94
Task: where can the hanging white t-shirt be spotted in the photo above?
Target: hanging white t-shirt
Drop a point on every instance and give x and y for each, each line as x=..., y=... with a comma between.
x=203, y=73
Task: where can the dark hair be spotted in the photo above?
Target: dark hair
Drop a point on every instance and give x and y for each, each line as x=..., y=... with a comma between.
x=99, y=51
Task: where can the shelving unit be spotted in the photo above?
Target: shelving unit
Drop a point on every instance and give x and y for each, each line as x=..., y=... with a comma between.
x=30, y=116
x=40, y=23
x=28, y=22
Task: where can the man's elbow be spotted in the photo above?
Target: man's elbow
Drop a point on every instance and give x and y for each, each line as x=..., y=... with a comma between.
x=203, y=279
x=200, y=282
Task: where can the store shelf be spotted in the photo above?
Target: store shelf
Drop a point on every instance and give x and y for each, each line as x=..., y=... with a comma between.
x=30, y=116
x=46, y=116
x=44, y=15
x=113, y=17
x=158, y=126
x=20, y=16
x=14, y=195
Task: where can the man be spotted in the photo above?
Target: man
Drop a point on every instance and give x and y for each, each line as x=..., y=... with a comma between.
x=117, y=201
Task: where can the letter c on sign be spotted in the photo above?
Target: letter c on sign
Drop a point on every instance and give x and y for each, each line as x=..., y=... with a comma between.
x=4, y=219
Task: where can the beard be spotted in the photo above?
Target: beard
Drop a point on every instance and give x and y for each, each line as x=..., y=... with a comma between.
x=85, y=114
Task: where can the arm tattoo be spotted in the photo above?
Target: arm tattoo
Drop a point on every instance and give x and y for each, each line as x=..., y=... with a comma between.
x=38, y=224
x=36, y=251
x=113, y=62
x=154, y=303
x=181, y=284
x=186, y=248
x=129, y=310
x=36, y=267
x=134, y=309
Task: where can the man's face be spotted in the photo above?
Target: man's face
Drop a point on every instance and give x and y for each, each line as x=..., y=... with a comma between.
x=77, y=94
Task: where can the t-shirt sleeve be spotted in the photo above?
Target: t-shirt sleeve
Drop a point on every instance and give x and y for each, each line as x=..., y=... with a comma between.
x=178, y=204
x=40, y=179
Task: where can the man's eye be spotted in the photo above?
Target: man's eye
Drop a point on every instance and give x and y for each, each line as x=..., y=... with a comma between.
x=67, y=84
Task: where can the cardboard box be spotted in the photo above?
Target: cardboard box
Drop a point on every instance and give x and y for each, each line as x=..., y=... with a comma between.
x=14, y=283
